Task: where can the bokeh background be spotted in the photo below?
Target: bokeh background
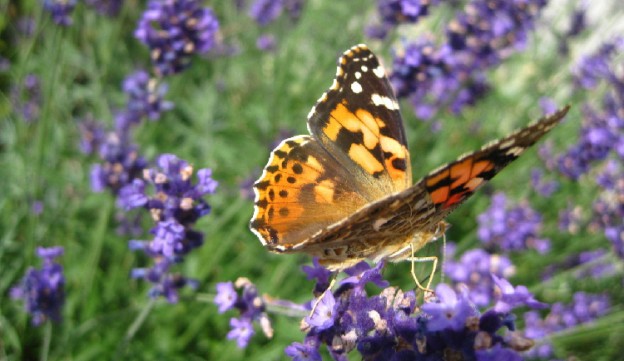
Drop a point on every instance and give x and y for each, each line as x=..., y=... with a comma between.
x=92, y=92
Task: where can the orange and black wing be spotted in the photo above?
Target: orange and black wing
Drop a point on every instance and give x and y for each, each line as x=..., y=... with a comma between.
x=451, y=184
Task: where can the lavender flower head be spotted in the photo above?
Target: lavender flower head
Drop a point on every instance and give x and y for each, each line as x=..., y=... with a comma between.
x=608, y=209
x=175, y=203
x=26, y=98
x=250, y=305
x=60, y=10
x=474, y=271
x=451, y=76
x=145, y=95
x=43, y=290
x=403, y=11
x=511, y=228
x=266, y=11
x=390, y=325
x=584, y=308
x=174, y=30
x=122, y=163
x=109, y=8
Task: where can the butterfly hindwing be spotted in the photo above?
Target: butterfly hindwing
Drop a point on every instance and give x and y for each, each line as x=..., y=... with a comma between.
x=302, y=189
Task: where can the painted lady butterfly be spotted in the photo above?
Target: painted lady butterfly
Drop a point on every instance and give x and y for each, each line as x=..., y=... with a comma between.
x=345, y=192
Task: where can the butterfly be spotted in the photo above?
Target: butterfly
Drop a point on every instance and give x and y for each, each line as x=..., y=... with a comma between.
x=344, y=193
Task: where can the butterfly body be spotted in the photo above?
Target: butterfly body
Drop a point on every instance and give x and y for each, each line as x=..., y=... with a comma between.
x=344, y=193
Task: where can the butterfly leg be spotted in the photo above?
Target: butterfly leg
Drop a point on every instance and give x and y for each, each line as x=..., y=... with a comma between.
x=318, y=300
x=433, y=259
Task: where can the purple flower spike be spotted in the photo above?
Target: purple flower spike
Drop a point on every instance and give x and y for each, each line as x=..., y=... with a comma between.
x=473, y=271
x=510, y=227
x=174, y=30
x=266, y=11
x=168, y=236
x=175, y=204
x=145, y=96
x=451, y=311
x=43, y=290
x=60, y=10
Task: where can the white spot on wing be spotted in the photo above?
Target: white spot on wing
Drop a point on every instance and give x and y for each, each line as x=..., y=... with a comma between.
x=379, y=72
x=364, y=68
x=515, y=151
x=356, y=87
x=508, y=143
x=385, y=101
x=358, y=75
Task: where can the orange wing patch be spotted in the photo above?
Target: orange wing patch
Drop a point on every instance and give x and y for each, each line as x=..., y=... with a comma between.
x=457, y=181
x=300, y=190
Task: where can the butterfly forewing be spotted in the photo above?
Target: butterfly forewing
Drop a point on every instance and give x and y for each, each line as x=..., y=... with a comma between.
x=358, y=121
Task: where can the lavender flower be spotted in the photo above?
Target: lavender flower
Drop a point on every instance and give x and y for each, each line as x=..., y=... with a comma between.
x=602, y=131
x=303, y=351
x=242, y=330
x=26, y=98
x=608, y=209
x=511, y=228
x=387, y=326
x=251, y=308
x=164, y=283
x=60, y=10
x=616, y=236
x=266, y=42
x=583, y=309
x=324, y=312
x=403, y=11
x=43, y=290
x=174, y=30
x=474, y=271
x=226, y=296
x=92, y=135
x=451, y=311
x=145, y=96
x=318, y=273
x=570, y=219
x=266, y=11
x=541, y=186
x=109, y=8
x=122, y=164
x=451, y=76
x=586, y=264
x=175, y=205
x=510, y=297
